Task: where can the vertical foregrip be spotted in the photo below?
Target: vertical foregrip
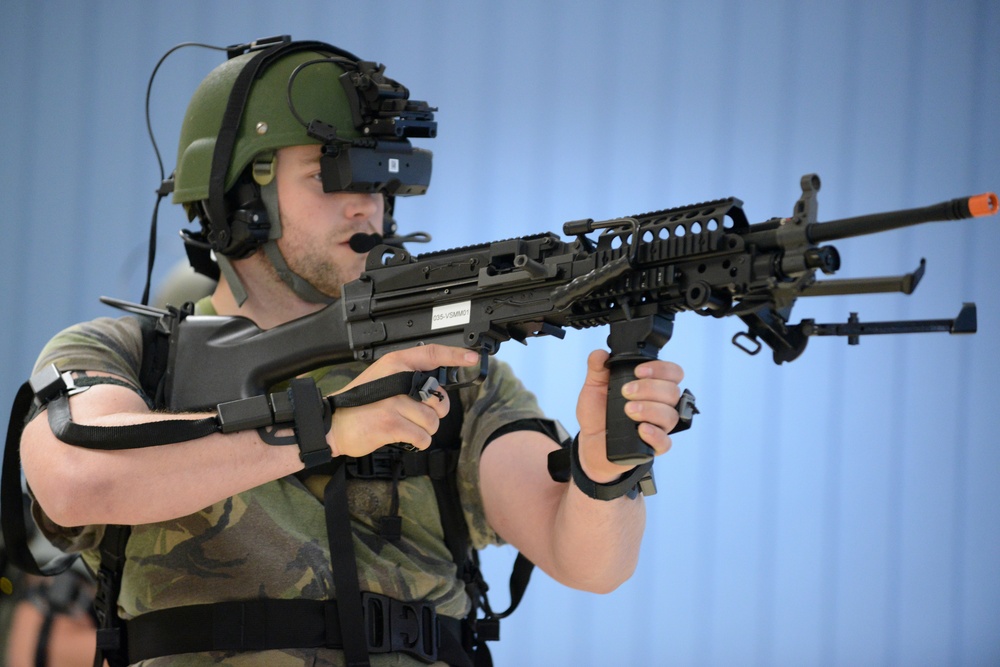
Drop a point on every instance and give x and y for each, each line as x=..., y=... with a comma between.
x=631, y=343
x=623, y=442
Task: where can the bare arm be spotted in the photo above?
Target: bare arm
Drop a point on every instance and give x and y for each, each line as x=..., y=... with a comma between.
x=584, y=543
x=78, y=486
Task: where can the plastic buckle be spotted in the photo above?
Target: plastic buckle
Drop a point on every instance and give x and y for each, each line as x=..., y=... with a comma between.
x=49, y=383
x=377, y=465
x=407, y=627
x=488, y=629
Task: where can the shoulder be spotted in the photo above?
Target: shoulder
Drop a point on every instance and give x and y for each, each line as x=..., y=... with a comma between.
x=105, y=344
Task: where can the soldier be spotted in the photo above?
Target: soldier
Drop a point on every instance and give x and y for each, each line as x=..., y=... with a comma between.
x=237, y=551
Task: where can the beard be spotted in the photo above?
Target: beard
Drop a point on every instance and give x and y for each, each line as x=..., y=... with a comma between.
x=326, y=265
x=317, y=253
x=326, y=276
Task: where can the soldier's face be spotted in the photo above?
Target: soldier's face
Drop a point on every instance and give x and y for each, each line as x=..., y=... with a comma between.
x=316, y=226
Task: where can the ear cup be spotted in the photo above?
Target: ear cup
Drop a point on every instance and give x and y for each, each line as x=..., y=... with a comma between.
x=247, y=224
x=249, y=229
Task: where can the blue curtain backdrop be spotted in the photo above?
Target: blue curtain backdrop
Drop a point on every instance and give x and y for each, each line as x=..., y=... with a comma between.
x=840, y=510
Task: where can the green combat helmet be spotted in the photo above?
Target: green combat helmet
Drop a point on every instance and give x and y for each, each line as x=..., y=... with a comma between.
x=276, y=93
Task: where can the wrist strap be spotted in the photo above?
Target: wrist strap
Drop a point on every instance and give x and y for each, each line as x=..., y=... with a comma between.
x=301, y=408
x=312, y=421
x=631, y=483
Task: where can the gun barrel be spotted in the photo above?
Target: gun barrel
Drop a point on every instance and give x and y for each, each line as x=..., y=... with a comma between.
x=955, y=209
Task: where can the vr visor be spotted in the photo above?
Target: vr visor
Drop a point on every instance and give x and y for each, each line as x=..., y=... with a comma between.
x=392, y=167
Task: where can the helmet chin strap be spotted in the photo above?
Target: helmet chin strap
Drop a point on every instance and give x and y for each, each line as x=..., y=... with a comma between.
x=302, y=287
x=233, y=280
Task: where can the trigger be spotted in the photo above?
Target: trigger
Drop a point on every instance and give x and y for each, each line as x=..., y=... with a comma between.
x=425, y=385
x=430, y=388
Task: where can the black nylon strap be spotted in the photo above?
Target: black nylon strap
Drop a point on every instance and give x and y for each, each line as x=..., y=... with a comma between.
x=519, y=579
x=350, y=613
x=253, y=625
x=15, y=533
x=376, y=390
x=256, y=625
x=226, y=139
x=134, y=436
x=626, y=485
x=310, y=424
x=111, y=640
x=44, y=635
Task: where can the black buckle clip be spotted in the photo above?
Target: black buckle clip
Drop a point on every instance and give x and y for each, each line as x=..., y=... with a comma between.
x=377, y=465
x=407, y=627
x=50, y=383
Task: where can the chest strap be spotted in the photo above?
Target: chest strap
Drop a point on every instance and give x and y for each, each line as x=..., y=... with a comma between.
x=390, y=625
x=392, y=462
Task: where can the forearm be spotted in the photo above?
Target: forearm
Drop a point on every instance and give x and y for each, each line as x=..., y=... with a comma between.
x=614, y=527
x=581, y=542
x=80, y=486
x=596, y=542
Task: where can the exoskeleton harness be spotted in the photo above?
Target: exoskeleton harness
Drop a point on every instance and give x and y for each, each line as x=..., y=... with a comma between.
x=359, y=623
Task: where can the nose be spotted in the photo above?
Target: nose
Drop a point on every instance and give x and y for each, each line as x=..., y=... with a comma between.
x=361, y=205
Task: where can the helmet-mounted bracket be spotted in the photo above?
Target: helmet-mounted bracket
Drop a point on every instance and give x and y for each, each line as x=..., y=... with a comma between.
x=236, y=50
x=380, y=106
x=248, y=223
x=263, y=169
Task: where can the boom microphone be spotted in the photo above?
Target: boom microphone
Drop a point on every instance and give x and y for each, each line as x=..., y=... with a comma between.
x=362, y=243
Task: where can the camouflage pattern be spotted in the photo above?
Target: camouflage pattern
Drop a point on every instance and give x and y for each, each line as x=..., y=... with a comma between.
x=270, y=541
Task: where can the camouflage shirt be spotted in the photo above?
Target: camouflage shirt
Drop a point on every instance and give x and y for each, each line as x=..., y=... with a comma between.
x=270, y=541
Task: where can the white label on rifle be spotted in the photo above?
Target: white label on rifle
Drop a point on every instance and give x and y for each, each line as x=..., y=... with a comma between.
x=452, y=315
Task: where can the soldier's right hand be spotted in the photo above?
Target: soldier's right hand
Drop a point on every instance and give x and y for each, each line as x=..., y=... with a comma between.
x=360, y=430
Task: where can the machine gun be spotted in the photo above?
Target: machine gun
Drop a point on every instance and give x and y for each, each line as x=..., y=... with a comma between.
x=635, y=277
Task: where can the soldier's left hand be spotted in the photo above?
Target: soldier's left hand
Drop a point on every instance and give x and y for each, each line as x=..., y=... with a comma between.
x=652, y=398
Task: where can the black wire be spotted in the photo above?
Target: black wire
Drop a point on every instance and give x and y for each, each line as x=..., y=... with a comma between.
x=149, y=88
x=161, y=192
x=336, y=60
